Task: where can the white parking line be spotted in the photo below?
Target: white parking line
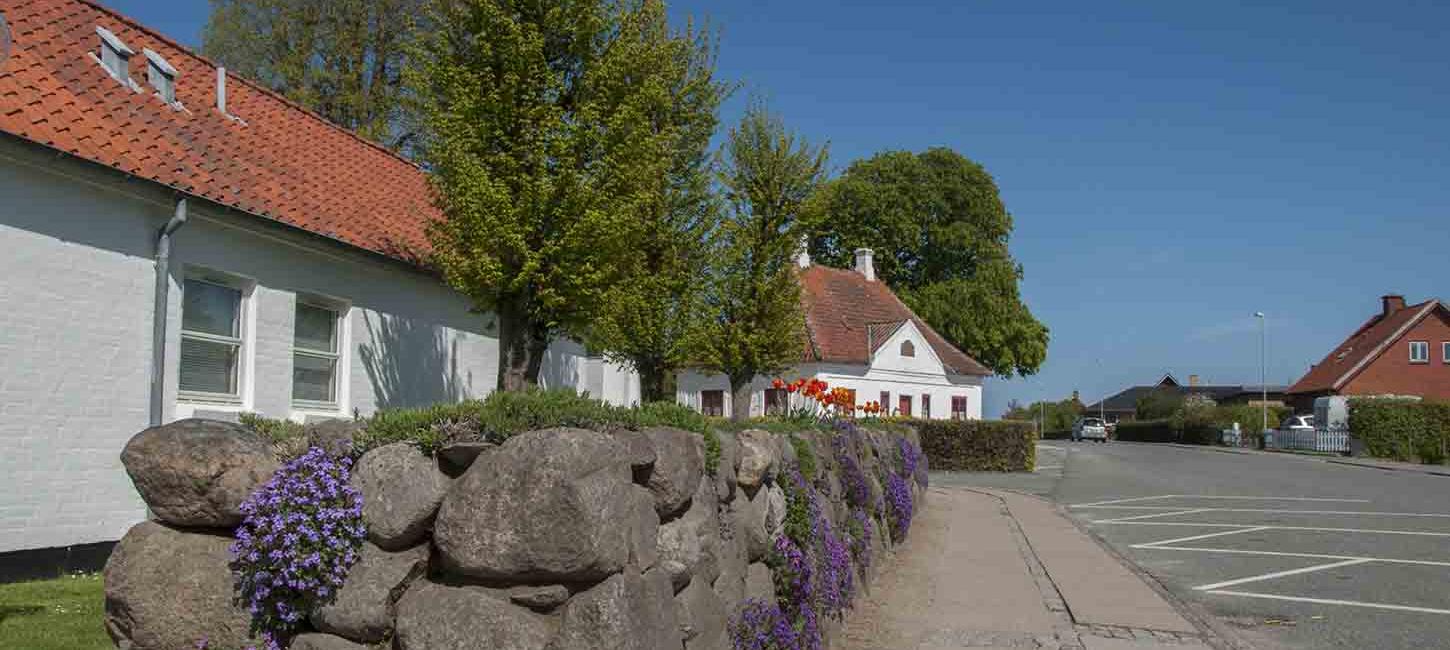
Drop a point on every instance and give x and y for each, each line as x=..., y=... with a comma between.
x=1197, y=537
x=1282, y=511
x=1280, y=574
x=1331, y=601
x=1042, y=467
x=1320, y=529
x=1222, y=497
x=1156, y=514
x=1128, y=500
x=1316, y=556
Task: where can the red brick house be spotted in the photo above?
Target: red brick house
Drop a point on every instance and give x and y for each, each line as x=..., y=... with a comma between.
x=1403, y=350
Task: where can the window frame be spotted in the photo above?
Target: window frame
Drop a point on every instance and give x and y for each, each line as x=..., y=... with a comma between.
x=962, y=414
x=783, y=404
x=239, y=341
x=339, y=318
x=1419, y=345
x=908, y=349
x=1445, y=352
x=704, y=407
x=903, y=399
x=925, y=406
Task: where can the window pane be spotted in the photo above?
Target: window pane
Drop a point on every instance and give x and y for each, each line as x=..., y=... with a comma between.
x=315, y=328
x=208, y=367
x=312, y=378
x=210, y=308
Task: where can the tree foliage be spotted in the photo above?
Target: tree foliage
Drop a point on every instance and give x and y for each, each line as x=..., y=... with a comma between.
x=645, y=319
x=542, y=154
x=1158, y=404
x=754, y=323
x=1055, y=416
x=940, y=232
x=343, y=59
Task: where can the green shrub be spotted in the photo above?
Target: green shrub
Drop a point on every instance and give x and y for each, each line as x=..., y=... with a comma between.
x=978, y=445
x=805, y=456
x=1146, y=431
x=1404, y=430
x=289, y=439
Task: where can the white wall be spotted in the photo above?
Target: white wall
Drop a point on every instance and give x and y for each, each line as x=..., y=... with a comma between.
x=567, y=364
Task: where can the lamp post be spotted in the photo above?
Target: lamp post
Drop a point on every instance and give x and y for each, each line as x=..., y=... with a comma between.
x=1263, y=387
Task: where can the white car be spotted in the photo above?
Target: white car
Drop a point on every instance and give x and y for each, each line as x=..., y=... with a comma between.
x=1089, y=429
x=1297, y=423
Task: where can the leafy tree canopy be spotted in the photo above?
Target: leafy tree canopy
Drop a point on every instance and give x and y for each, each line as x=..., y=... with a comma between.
x=940, y=232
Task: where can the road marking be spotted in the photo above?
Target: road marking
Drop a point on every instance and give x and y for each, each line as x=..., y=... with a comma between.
x=1158, y=514
x=1197, y=537
x=1331, y=601
x=1321, y=529
x=1042, y=467
x=1316, y=556
x=1225, y=497
x=1281, y=574
x=1105, y=503
x=1360, y=513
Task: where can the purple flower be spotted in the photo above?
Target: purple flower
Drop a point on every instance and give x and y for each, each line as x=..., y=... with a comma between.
x=898, y=506
x=762, y=626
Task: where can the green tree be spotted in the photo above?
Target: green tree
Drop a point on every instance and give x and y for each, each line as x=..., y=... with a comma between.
x=645, y=319
x=1055, y=416
x=343, y=59
x=541, y=153
x=940, y=232
x=754, y=322
x=1158, y=404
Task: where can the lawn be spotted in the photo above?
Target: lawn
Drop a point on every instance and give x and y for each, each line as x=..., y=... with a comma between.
x=60, y=614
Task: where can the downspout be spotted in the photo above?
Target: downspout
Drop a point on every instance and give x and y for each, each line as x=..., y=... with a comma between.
x=158, y=318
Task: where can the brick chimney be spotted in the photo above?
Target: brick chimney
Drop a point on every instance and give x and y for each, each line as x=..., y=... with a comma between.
x=1391, y=303
x=1192, y=380
x=863, y=263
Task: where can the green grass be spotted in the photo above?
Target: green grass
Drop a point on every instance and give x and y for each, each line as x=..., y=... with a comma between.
x=60, y=614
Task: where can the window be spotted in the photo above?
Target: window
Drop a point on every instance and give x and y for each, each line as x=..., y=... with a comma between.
x=161, y=75
x=926, y=406
x=776, y=401
x=903, y=406
x=886, y=401
x=1445, y=351
x=1419, y=352
x=315, y=354
x=959, y=407
x=712, y=403
x=211, y=339
x=115, y=56
x=907, y=349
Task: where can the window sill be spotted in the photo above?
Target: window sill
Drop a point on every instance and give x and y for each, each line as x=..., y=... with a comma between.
x=317, y=408
x=209, y=399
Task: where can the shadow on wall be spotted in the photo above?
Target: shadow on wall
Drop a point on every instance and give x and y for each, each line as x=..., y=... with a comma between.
x=561, y=367
x=411, y=363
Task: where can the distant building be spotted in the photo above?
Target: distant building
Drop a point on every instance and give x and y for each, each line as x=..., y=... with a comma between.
x=1402, y=350
x=1123, y=407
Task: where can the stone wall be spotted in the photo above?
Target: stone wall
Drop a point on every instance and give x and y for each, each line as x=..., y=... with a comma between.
x=558, y=539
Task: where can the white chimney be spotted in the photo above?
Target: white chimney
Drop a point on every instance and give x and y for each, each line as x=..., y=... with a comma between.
x=221, y=90
x=863, y=263
x=803, y=253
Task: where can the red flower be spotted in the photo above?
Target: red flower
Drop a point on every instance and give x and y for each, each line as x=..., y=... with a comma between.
x=777, y=384
x=790, y=388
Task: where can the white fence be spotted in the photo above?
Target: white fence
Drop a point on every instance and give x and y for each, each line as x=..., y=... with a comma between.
x=1335, y=440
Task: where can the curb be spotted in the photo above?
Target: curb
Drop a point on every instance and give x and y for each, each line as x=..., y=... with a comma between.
x=1432, y=470
x=1427, y=469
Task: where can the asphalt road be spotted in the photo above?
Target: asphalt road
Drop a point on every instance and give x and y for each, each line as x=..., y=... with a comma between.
x=1275, y=551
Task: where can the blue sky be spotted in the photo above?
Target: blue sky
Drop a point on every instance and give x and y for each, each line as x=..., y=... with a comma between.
x=1172, y=167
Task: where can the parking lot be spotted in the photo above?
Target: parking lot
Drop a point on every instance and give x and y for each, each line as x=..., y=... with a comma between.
x=1276, y=551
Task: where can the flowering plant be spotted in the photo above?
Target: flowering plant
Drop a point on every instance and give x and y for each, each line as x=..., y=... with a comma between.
x=898, y=505
x=762, y=626
x=859, y=529
x=300, y=535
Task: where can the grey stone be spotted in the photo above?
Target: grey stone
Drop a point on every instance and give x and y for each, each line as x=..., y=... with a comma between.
x=313, y=641
x=544, y=507
x=539, y=598
x=197, y=472
x=640, y=451
x=725, y=481
x=625, y=612
x=774, y=512
x=749, y=518
x=759, y=457
x=401, y=490
x=440, y=617
x=689, y=545
x=679, y=464
x=759, y=584
x=333, y=436
x=363, y=610
x=456, y=458
x=643, y=526
x=702, y=617
x=730, y=586
x=786, y=450
x=168, y=589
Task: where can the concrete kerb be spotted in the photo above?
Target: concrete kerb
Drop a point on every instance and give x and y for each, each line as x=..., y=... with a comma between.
x=1367, y=463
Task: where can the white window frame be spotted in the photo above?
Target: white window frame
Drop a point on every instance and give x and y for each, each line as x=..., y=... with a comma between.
x=1424, y=348
x=338, y=356
x=242, y=341
x=1445, y=351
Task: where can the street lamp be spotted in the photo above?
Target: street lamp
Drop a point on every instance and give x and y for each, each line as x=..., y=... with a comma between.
x=1263, y=387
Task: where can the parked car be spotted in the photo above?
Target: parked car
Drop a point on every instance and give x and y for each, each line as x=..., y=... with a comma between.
x=1090, y=429
x=1297, y=423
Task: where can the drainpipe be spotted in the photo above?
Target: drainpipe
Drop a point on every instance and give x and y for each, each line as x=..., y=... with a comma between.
x=158, y=318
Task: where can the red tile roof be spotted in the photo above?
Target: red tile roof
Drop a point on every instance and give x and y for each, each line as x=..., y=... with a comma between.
x=1363, y=346
x=279, y=161
x=848, y=317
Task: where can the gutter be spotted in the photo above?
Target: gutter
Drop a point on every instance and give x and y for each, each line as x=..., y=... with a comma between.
x=158, y=317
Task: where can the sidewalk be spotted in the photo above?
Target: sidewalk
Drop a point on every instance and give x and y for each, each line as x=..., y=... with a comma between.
x=1356, y=461
x=996, y=569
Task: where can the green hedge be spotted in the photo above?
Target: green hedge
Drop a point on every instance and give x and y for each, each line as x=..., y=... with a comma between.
x=1146, y=431
x=978, y=445
x=1404, y=430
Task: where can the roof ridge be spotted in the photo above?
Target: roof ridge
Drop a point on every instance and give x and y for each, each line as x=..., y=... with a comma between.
x=137, y=25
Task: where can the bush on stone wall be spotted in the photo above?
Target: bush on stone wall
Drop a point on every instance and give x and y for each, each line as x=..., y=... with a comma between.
x=978, y=445
x=1403, y=430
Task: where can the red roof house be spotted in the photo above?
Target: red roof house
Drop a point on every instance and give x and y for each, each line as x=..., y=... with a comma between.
x=1402, y=350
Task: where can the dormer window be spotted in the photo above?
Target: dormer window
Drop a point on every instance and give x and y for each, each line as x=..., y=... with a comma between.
x=161, y=76
x=907, y=349
x=115, y=56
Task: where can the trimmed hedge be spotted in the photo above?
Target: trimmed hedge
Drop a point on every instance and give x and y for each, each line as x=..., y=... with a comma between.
x=1146, y=431
x=978, y=445
x=1405, y=430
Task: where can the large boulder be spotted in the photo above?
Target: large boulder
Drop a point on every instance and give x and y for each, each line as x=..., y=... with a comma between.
x=314, y=641
x=759, y=458
x=640, y=450
x=457, y=457
x=702, y=617
x=401, y=490
x=775, y=506
x=440, y=617
x=167, y=589
x=679, y=464
x=730, y=586
x=643, y=525
x=335, y=437
x=759, y=584
x=545, y=507
x=689, y=545
x=363, y=610
x=725, y=469
x=748, y=517
x=540, y=598
x=197, y=472
x=626, y=612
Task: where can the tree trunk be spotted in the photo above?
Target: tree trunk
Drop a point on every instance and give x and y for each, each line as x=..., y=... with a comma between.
x=740, y=399
x=521, y=346
x=651, y=382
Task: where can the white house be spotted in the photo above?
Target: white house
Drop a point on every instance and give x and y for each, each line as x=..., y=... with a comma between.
x=177, y=241
x=861, y=337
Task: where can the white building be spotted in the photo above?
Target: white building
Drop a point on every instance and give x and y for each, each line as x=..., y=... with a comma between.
x=279, y=249
x=861, y=337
